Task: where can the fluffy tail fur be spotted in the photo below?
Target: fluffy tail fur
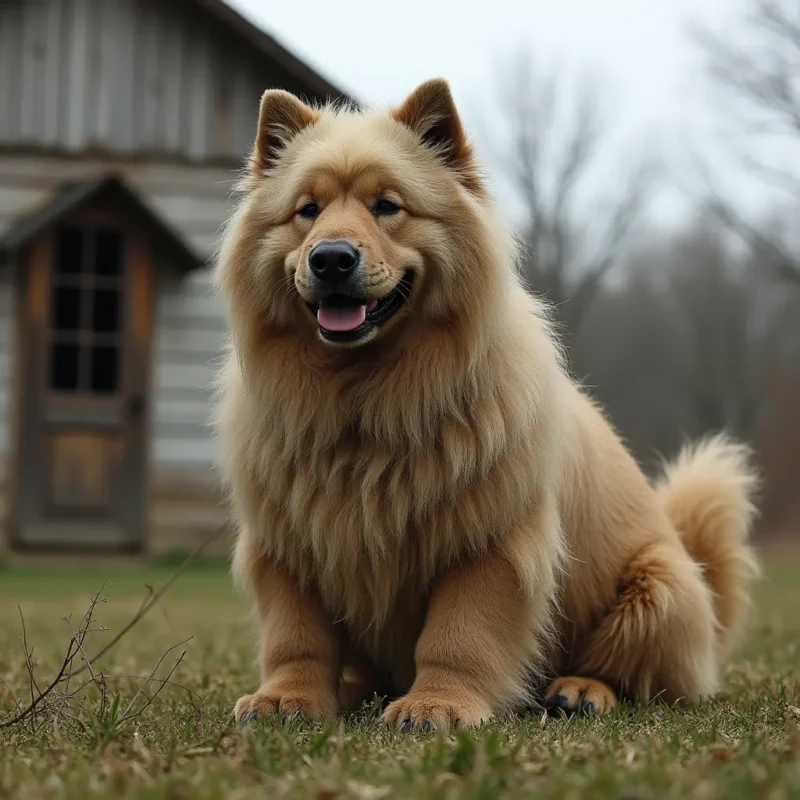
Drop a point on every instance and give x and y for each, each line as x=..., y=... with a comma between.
x=708, y=495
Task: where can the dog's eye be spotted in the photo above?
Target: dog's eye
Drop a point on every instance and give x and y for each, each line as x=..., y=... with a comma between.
x=385, y=208
x=309, y=211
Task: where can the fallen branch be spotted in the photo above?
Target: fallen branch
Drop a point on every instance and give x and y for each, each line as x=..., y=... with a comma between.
x=25, y=713
x=151, y=600
x=126, y=717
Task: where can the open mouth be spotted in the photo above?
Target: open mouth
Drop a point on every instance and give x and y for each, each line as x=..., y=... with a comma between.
x=348, y=319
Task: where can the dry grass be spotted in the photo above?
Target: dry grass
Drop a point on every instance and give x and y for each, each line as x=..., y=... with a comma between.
x=745, y=743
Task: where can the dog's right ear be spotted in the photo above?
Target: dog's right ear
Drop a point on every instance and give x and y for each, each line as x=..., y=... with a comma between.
x=281, y=117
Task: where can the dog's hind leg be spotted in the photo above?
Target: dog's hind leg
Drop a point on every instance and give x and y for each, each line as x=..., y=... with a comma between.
x=658, y=638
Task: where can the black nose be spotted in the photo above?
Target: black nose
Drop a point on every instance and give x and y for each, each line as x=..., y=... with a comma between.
x=333, y=261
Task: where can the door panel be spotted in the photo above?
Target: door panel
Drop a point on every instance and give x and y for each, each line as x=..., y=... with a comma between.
x=82, y=456
x=84, y=466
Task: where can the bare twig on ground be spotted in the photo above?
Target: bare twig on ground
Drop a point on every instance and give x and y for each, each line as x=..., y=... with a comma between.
x=77, y=647
x=153, y=598
x=126, y=716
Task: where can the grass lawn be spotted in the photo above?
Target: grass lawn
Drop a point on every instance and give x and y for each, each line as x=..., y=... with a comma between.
x=745, y=743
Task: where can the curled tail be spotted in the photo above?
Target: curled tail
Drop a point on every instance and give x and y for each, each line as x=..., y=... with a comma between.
x=708, y=494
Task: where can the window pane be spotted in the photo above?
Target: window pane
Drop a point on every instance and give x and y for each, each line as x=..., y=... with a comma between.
x=108, y=255
x=69, y=251
x=65, y=313
x=105, y=318
x=64, y=367
x=105, y=369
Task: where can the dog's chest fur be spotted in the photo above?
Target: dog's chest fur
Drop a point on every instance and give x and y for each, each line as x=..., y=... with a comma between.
x=371, y=523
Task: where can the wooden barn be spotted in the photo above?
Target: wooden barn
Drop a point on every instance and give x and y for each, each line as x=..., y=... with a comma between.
x=122, y=126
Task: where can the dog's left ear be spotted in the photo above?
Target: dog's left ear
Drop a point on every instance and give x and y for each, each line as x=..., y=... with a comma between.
x=431, y=113
x=281, y=117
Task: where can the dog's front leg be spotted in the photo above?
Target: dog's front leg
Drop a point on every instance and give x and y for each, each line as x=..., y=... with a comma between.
x=300, y=648
x=479, y=638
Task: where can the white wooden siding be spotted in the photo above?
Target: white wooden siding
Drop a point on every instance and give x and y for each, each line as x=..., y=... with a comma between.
x=189, y=339
x=192, y=199
x=129, y=77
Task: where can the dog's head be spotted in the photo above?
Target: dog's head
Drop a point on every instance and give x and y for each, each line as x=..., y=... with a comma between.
x=355, y=224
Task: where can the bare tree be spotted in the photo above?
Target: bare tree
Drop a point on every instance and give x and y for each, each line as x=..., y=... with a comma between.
x=759, y=69
x=683, y=345
x=628, y=356
x=555, y=145
x=722, y=320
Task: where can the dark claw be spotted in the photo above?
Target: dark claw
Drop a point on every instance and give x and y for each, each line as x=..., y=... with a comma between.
x=251, y=717
x=556, y=703
x=425, y=726
x=405, y=725
x=587, y=707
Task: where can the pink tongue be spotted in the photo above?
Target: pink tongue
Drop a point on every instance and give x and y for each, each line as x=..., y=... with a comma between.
x=341, y=319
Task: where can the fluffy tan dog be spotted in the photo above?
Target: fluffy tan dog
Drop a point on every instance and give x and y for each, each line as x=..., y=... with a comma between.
x=428, y=505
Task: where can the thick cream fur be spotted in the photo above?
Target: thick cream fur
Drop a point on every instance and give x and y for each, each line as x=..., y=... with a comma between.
x=445, y=505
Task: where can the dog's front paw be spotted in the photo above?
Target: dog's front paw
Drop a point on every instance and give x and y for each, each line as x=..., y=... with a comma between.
x=307, y=704
x=427, y=711
x=580, y=695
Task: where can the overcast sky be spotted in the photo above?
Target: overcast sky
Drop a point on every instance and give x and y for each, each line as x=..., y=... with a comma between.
x=639, y=49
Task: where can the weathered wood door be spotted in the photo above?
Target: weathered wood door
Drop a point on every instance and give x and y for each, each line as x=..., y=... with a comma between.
x=84, y=367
